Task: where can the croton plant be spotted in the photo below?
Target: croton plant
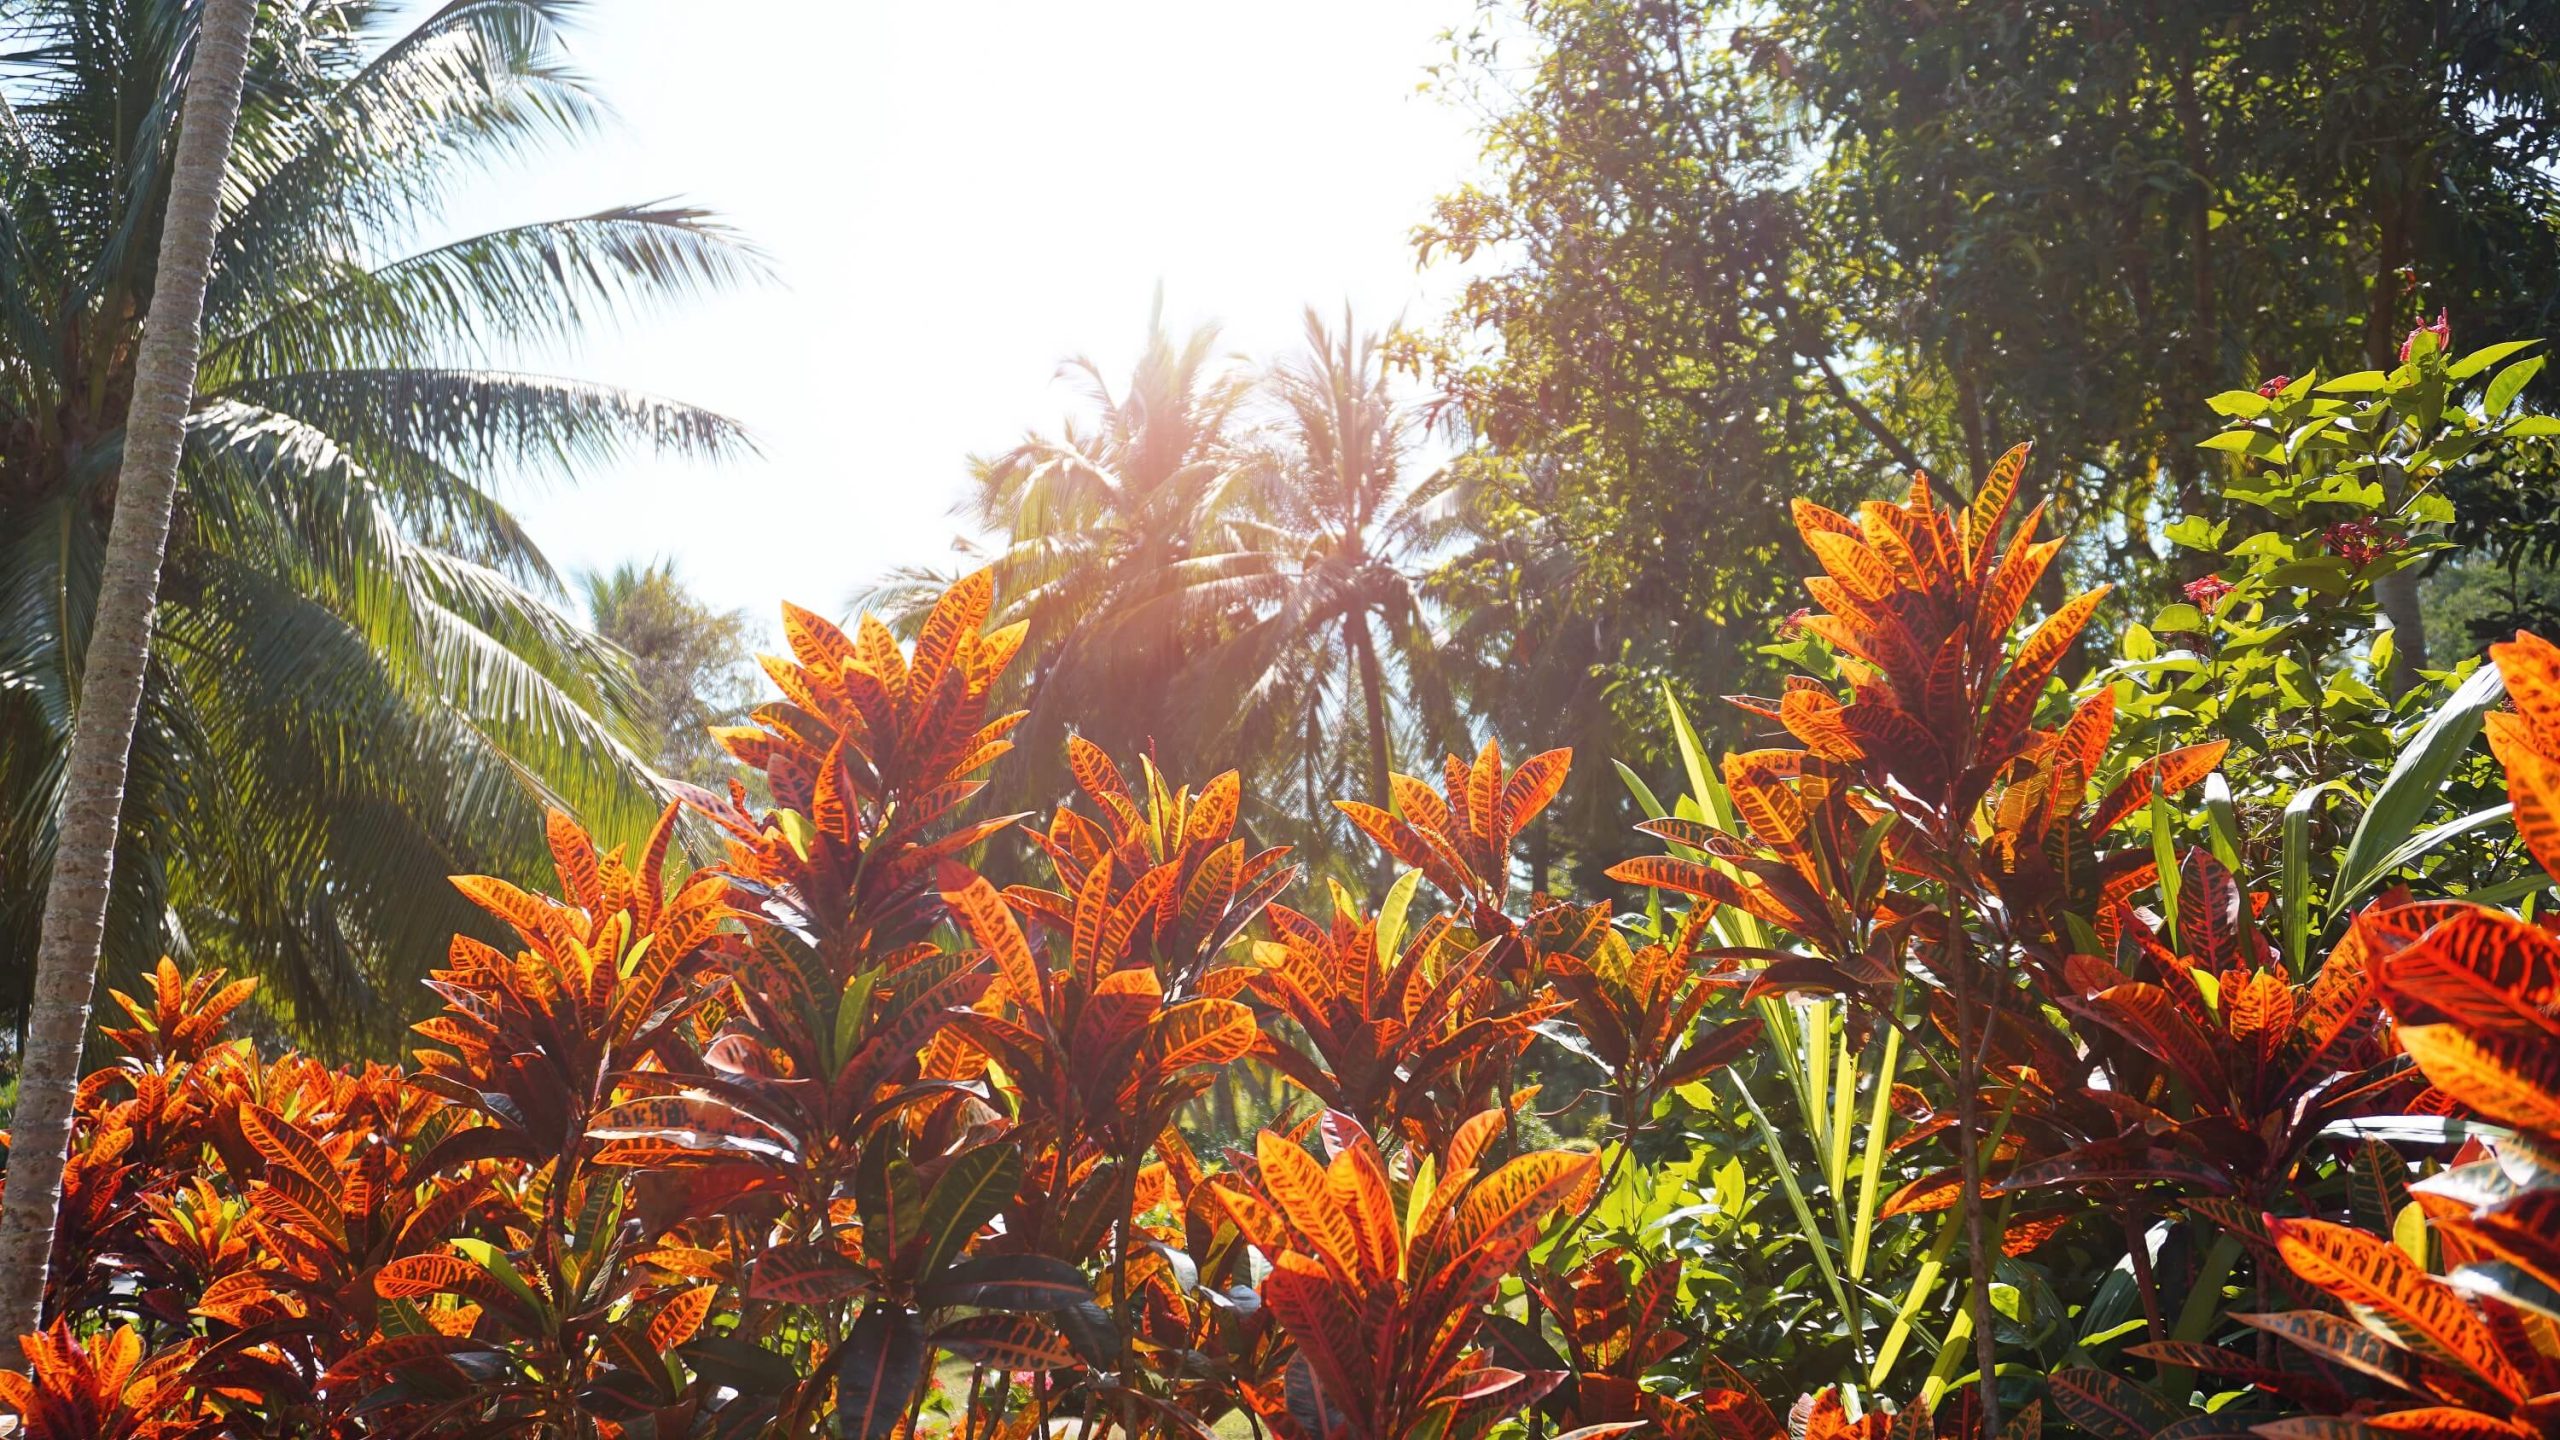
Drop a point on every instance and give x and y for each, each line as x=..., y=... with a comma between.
x=841, y=1136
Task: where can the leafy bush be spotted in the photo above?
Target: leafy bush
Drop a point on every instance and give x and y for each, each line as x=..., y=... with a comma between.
x=841, y=1136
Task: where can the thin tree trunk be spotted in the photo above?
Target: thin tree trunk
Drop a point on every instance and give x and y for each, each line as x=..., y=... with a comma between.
x=2399, y=179
x=1816, y=348
x=1978, y=1247
x=1867, y=418
x=75, y=904
x=1955, y=953
x=2207, y=322
x=1970, y=420
x=2397, y=593
x=2387, y=301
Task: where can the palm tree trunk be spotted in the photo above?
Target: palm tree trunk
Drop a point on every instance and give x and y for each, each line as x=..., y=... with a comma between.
x=75, y=902
x=1373, y=698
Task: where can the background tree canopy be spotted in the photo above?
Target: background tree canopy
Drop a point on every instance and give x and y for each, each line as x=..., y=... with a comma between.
x=1730, y=253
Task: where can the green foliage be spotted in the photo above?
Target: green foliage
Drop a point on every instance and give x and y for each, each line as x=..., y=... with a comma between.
x=1647, y=378
x=2335, y=486
x=2075, y=218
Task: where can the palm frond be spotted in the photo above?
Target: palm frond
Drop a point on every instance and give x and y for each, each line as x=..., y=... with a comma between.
x=479, y=296
x=485, y=418
x=382, y=140
x=363, y=679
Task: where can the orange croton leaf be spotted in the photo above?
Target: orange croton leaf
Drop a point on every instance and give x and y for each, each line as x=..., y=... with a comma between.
x=2513, y=1079
x=2379, y=1281
x=2527, y=741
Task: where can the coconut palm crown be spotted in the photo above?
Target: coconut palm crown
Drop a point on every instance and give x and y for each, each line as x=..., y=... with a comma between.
x=361, y=670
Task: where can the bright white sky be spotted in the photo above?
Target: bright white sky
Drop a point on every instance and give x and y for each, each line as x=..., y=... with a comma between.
x=958, y=197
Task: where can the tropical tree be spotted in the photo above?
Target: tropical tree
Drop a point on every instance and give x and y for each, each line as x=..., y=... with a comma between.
x=1225, y=561
x=2195, y=194
x=1641, y=373
x=1513, y=651
x=75, y=902
x=1731, y=250
x=691, y=662
x=360, y=666
x=1092, y=522
x=1321, y=577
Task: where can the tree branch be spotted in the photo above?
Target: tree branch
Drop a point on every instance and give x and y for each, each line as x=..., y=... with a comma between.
x=1866, y=415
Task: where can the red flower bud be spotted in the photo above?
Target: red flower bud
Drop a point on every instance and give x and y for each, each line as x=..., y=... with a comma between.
x=2442, y=330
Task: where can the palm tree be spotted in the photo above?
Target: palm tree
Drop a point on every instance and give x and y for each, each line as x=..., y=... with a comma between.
x=1095, y=520
x=1218, y=592
x=1320, y=577
x=692, y=663
x=363, y=677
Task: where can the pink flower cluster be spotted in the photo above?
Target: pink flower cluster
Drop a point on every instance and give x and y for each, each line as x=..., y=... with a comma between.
x=2360, y=542
x=2206, y=593
x=2274, y=385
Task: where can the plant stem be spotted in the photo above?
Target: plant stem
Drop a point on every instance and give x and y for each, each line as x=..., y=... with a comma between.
x=2138, y=1249
x=924, y=1387
x=1969, y=1138
x=1120, y=1287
